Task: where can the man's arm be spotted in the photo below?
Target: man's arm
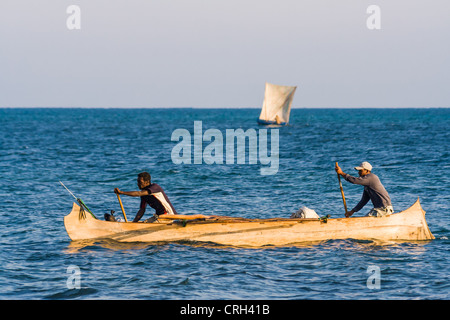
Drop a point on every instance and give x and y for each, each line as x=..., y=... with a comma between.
x=364, y=181
x=139, y=215
x=140, y=193
x=364, y=199
x=141, y=211
x=132, y=193
x=339, y=170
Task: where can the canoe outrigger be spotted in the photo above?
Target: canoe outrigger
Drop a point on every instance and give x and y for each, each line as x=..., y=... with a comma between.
x=408, y=225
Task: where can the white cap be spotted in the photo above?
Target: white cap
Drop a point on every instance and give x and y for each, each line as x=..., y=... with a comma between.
x=364, y=165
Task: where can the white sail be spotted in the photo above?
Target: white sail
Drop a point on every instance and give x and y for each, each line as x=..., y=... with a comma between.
x=277, y=103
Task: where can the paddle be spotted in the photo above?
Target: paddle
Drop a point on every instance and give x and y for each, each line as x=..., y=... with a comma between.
x=121, y=207
x=342, y=191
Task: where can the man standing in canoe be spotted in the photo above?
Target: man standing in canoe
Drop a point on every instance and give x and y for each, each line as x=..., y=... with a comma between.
x=151, y=194
x=373, y=190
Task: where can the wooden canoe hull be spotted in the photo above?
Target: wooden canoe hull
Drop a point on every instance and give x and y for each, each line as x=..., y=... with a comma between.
x=408, y=225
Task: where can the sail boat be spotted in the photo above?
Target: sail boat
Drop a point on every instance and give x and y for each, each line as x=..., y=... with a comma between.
x=277, y=104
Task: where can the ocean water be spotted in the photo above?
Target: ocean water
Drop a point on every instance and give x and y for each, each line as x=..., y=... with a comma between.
x=95, y=150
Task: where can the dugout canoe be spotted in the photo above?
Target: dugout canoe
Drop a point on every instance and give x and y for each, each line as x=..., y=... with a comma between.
x=408, y=225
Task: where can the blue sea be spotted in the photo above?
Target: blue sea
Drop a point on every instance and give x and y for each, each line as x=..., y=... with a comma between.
x=93, y=151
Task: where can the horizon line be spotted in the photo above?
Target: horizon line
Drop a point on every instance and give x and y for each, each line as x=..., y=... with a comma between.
x=191, y=107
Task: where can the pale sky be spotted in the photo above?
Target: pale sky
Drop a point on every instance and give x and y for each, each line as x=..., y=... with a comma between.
x=220, y=53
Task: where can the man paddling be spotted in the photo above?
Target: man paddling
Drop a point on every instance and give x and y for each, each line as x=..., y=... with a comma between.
x=151, y=194
x=373, y=190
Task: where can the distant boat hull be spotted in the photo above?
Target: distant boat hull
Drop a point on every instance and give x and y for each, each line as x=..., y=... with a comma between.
x=267, y=122
x=408, y=225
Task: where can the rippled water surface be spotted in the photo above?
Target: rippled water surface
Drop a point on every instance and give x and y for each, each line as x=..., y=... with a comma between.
x=95, y=150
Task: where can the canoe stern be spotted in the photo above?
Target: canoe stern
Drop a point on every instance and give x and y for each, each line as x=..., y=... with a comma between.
x=425, y=232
